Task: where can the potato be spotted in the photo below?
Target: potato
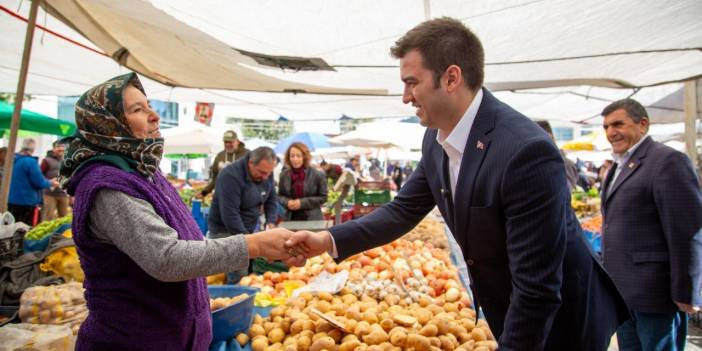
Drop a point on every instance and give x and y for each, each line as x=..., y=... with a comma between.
x=268, y=326
x=446, y=343
x=335, y=334
x=277, y=311
x=450, y=307
x=429, y=330
x=275, y=347
x=285, y=325
x=394, y=310
x=362, y=328
x=464, y=337
x=350, y=324
x=435, y=309
x=323, y=306
x=398, y=338
x=387, y=346
x=276, y=335
x=376, y=337
x=303, y=342
x=259, y=344
x=242, y=339
x=354, y=313
x=404, y=320
x=290, y=347
x=435, y=341
x=481, y=348
x=423, y=315
x=468, y=345
x=349, y=345
x=325, y=296
x=478, y=334
x=387, y=324
x=309, y=325
x=297, y=327
x=418, y=342
x=456, y=329
x=290, y=340
x=307, y=296
x=468, y=324
x=374, y=348
x=318, y=336
x=452, y=295
x=322, y=326
x=490, y=344
x=256, y=330
x=391, y=299
x=325, y=343
x=370, y=317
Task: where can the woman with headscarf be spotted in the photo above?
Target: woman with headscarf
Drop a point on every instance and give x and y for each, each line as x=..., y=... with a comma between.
x=142, y=253
x=302, y=190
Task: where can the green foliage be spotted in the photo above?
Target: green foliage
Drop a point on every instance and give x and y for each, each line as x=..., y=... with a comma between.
x=268, y=130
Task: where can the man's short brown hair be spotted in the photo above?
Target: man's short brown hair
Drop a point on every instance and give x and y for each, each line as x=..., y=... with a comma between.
x=444, y=42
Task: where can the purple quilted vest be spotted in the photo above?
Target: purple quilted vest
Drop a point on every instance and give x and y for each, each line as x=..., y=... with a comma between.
x=129, y=309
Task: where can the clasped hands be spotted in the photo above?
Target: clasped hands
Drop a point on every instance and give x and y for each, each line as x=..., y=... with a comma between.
x=293, y=248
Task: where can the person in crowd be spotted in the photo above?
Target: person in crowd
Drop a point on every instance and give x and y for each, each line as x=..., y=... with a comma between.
x=376, y=171
x=652, y=231
x=396, y=175
x=570, y=167
x=302, y=190
x=407, y=170
x=499, y=182
x=27, y=184
x=332, y=171
x=55, y=198
x=234, y=150
x=143, y=255
x=244, y=189
x=3, y=153
x=602, y=173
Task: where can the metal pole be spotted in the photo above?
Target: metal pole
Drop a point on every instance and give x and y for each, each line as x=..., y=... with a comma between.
x=16, y=114
x=691, y=121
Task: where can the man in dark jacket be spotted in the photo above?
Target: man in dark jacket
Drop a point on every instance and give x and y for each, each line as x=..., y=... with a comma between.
x=243, y=189
x=55, y=199
x=27, y=183
x=652, y=231
x=570, y=167
x=234, y=150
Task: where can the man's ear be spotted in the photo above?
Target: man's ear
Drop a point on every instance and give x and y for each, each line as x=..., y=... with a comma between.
x=454, y=78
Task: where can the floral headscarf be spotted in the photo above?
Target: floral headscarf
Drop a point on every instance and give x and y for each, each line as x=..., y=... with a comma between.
x=104, y=135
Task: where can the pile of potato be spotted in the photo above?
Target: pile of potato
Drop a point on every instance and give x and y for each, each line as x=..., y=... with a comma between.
x=429, y=231
x=367, y=324
x=222, y=302
x=57, y=304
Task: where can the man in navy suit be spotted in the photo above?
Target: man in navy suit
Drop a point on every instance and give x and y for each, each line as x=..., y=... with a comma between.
x=500, y=184
x=652, y=231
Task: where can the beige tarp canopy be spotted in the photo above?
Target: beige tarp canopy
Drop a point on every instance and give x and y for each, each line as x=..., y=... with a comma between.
x=204, y=45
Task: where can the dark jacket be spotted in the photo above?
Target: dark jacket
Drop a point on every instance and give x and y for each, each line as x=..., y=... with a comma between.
x=223, y=160
x=540, y=285
x=652, y=229
x=314, y=193
x=238, y=199
x=50, y=169
x=27, y=181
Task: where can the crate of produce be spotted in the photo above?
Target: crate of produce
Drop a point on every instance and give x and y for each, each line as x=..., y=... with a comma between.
x=371, y=197
x=373, y=186
x=231, y=319
x=360, y=210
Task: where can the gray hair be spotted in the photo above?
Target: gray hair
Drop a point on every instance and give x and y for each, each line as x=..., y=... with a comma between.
x=262, y=153
x=633, y=108
x=29, y=144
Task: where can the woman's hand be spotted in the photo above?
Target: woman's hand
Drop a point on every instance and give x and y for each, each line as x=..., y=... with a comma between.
x=270, y=244
x=294, y=205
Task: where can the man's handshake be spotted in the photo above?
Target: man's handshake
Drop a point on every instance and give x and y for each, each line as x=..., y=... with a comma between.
x=293, y=248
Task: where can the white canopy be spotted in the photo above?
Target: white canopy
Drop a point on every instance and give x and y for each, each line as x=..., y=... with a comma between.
x=406, y=136
x=192, y=139
x=528, y=44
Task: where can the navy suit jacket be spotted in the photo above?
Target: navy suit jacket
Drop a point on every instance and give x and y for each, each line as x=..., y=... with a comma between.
x=651, y=229
x=539, y=284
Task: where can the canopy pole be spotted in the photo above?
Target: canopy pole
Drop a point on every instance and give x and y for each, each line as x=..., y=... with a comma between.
x=16, y=114
x=690, y=103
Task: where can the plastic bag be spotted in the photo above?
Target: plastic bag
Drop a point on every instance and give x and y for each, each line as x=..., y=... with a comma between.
x=35, y=337
x=64, y=263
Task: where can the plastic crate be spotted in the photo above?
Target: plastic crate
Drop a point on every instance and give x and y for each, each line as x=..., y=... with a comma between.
x=373, y=186
x=360, y=210
x=233, y=319
x=371, y=197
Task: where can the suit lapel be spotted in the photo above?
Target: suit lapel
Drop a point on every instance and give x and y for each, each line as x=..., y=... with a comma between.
x=476, y=148
x=630, y=167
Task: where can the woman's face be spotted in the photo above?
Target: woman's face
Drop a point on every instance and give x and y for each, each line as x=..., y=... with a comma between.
x=296, y=158
x=142, y=120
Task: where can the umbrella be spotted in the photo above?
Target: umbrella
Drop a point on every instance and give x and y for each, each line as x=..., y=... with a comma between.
x=35, y=122
x=312, y=140
x=192, y=139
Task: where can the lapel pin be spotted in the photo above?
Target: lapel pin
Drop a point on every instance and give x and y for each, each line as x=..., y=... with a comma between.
x=631, y=164
x=480, y=145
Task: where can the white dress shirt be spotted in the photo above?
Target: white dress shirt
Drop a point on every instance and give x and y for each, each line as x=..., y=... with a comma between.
x=455, y=143
x=620, y=161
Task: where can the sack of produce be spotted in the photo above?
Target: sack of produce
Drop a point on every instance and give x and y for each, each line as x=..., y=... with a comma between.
x=64, y=263
x=57, y=304
x=35, y=337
